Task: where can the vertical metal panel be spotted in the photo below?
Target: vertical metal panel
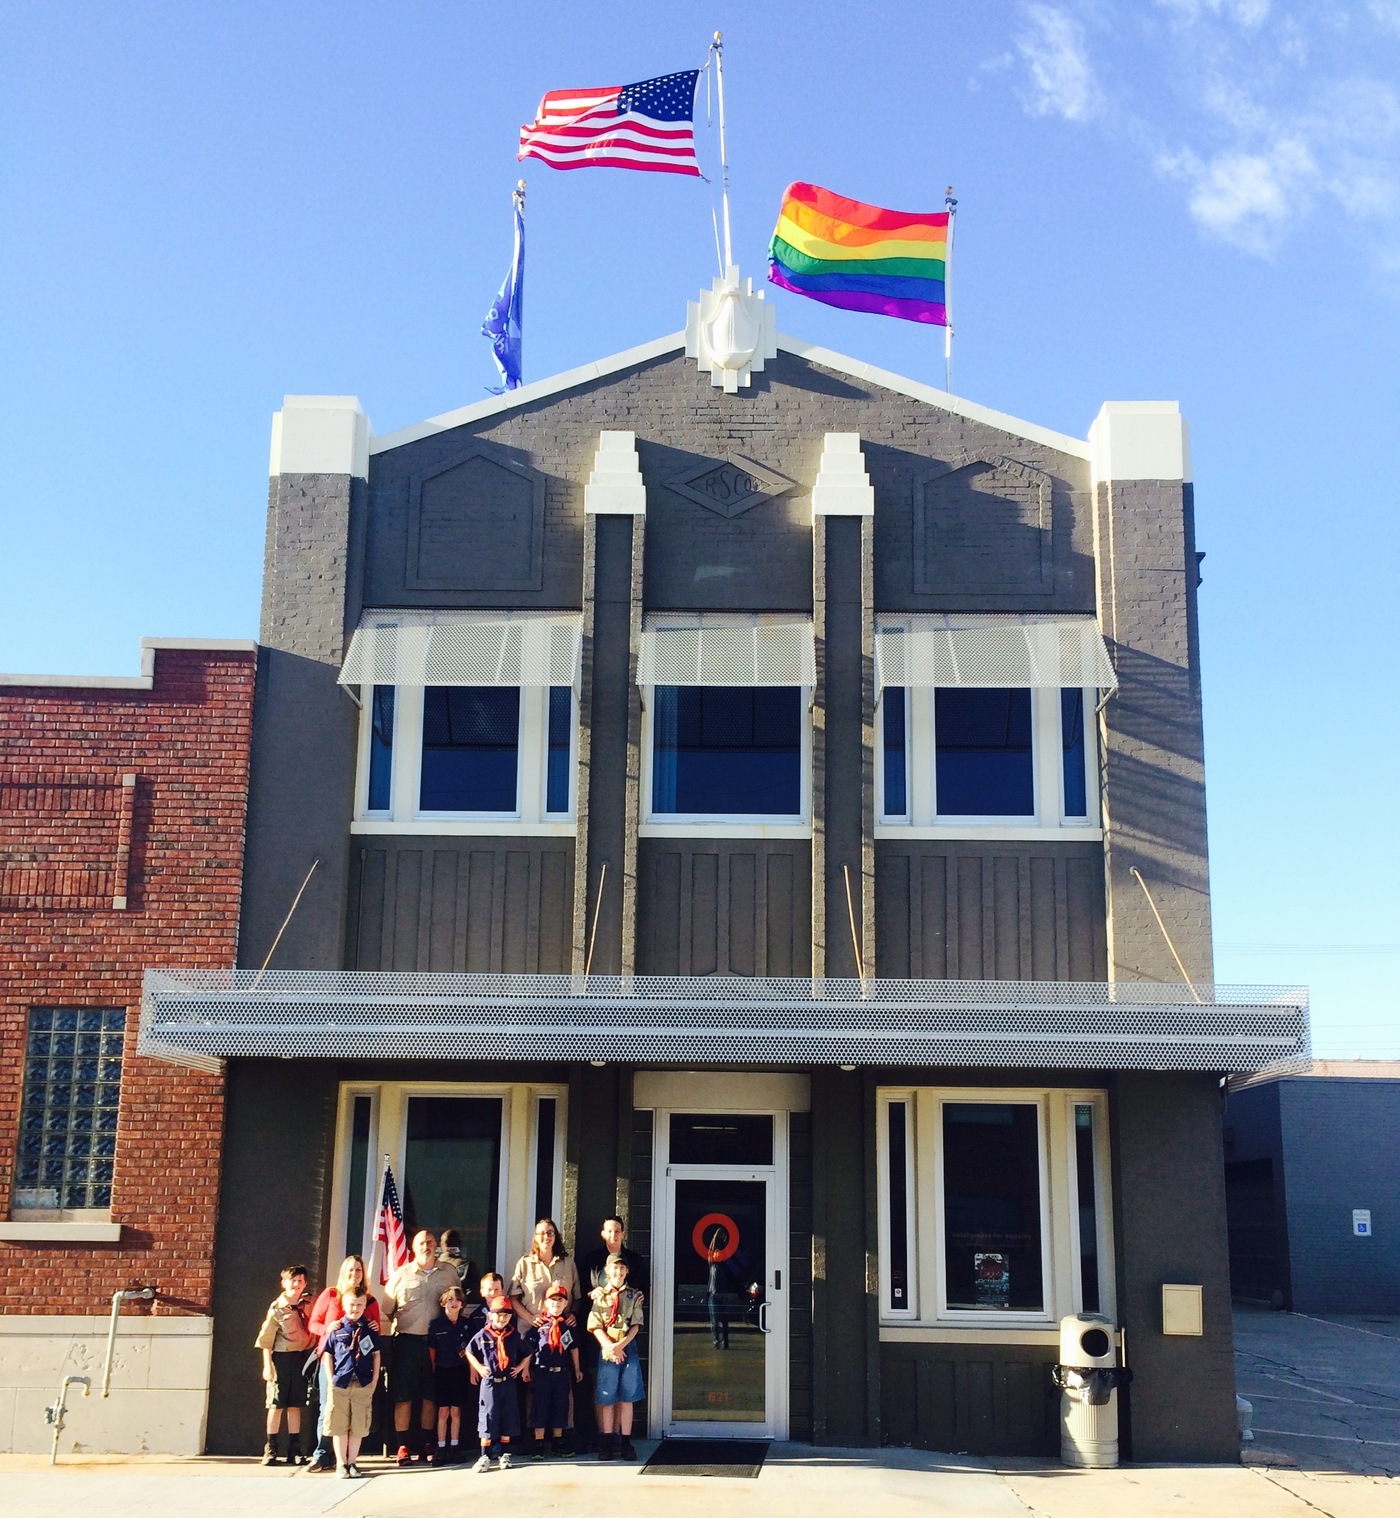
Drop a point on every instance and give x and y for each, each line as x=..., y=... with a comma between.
x=724, y=907
x=799, y=1275
x=994, y=911
x=971, y=1398
x=454, y=904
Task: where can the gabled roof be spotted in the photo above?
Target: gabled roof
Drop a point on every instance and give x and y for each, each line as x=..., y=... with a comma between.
x=661, y=347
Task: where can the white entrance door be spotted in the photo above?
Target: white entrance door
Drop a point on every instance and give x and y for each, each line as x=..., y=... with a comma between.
x=720, y=1316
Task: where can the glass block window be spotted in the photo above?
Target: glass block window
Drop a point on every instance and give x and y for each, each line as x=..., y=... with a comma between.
x=68, y=1121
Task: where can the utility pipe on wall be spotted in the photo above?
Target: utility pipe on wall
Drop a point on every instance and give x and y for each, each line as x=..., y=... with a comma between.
x=131, y=1294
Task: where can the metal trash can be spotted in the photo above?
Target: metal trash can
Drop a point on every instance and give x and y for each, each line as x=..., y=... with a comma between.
x=1089, y=1376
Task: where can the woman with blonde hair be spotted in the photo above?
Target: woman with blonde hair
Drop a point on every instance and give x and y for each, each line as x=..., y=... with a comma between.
x=326, y=1312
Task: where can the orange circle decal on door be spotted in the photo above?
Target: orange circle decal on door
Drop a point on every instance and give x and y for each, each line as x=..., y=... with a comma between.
x=706, y=1233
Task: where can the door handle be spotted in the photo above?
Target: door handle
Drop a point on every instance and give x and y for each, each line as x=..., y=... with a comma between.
x=763, y=1318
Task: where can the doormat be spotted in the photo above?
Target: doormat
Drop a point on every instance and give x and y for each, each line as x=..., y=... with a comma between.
x=707, y=1457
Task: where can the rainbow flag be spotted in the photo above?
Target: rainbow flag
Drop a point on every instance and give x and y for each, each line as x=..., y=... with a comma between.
x=860, y=257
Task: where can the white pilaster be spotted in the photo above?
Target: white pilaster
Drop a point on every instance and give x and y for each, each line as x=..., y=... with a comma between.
x=320, y=434
x=615, y=487
x=843, y=488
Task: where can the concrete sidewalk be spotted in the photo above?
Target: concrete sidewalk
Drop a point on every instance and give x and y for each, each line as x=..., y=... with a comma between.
x=797, y=1481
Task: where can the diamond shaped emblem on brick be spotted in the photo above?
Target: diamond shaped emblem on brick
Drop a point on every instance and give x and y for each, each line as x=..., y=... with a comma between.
x=731, y=486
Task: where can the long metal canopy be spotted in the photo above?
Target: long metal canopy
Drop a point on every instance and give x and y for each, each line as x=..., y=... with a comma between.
x=202, y=1017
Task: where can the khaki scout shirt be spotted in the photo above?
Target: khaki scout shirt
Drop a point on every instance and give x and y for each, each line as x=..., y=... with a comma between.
x=285, y=1328
x=415, y=1296
x=629, y=1311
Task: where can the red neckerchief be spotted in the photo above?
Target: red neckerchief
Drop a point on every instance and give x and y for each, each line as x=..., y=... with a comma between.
x=500, y=1335
x=555, y=1325
x=616, y=1306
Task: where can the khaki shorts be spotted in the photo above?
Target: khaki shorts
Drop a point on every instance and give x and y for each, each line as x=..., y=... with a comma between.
x=350, y=1410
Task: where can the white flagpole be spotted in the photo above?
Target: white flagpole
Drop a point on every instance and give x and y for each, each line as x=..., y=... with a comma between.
x=952, y=207
x=717, y=48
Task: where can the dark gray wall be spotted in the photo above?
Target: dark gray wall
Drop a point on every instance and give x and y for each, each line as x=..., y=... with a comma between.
x=1341, y=1150
x=724, y=906
x=977, y=1399
x=500, y=905
x=1169, y=1198
x=985, y=911
x=1254, y=1195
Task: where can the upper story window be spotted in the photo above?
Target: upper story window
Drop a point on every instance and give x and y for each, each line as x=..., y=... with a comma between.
x=726, y=733
x=475, y=727
x=958, y=752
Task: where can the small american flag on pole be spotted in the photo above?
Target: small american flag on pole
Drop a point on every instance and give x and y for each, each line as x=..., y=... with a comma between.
x=388, y=1228
x=647, y=126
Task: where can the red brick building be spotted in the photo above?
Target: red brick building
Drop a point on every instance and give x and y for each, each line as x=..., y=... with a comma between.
x=122, y=810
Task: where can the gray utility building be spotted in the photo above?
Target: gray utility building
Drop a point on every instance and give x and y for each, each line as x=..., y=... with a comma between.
x=1312, y=1183
x=745, y=785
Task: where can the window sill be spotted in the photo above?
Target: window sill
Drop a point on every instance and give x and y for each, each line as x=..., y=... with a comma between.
x=991, y=832
x=60, y=1230
x=979, y=1333
x=455, y=827
x=736, y=829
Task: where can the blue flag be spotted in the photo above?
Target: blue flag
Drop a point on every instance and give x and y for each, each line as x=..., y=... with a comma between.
x=502, y=324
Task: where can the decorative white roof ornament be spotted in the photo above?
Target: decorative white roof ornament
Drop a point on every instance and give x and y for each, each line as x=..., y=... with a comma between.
x=731, y=330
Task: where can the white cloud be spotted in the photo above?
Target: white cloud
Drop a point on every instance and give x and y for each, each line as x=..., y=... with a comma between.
x=1387, y=12
x=1246, y=199
x=1248, y=14
x=1061, y=80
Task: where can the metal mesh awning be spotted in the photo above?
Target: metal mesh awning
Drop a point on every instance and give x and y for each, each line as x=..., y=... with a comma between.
x=726, y=648
x=201, y=1017
x=1000, y=651
x=464, y=648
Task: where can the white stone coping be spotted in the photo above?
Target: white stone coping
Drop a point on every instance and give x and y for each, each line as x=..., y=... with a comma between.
x=145, y=680
x=77, y=1326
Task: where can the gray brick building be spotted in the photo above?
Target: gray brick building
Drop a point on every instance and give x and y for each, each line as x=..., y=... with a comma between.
x=746, y=785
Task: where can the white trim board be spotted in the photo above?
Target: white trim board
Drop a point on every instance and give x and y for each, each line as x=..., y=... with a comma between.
x=145, y=680
x=660, y=347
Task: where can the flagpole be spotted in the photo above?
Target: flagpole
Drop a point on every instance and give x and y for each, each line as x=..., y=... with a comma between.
x=517, y=201
x=717, y=48
x=952, y=208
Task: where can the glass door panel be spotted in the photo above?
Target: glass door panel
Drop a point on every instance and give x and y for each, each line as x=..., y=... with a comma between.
x=719, y=1347
x=452, y=1171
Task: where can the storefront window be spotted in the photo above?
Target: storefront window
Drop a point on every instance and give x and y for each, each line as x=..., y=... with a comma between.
x=991, y=1207
x=452, y=1167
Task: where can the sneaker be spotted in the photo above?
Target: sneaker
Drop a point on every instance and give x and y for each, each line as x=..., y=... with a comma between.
x=429, y=1457
x=483, y=1464
x=354, y=1470
x=321, y=1460
x=605, y=1447
x=345, y=1471
x=503, y=1463
x=270, y=1455
x=295, y=1456
x=626, y=1452
x=403, y=1457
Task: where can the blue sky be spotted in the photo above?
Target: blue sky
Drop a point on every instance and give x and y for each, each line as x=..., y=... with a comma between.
x=203, y=207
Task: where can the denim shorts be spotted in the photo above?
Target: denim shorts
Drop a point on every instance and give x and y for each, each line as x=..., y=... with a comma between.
x=619, y=1383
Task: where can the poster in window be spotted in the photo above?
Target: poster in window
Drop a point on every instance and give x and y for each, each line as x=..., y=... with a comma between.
x=991, y=1280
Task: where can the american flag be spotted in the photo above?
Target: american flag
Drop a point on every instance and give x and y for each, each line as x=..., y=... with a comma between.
x=629, y=126
x=388, y=1229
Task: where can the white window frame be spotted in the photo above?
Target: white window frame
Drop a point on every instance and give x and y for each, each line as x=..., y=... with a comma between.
x=1047, y=821
x=515, y=1186
x=529, y=816
x=1059, y=1232
x=673, y=824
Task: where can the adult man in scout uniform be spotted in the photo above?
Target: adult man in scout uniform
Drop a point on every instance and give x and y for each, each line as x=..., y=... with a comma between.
x=415, y=1296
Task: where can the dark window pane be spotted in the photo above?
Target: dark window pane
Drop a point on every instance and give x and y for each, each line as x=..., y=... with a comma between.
x=899, y=1205
x=1088, y=1207
x=359, y=1176
x=721, y=1139
x=471, y=738
x=893, y=704
x=544, y=1157
x=561, y=721
x=727, y=750
x=1072, y=742
x=381, y=749
x=452, y=1162
x=983, y=766
x=991, y=1200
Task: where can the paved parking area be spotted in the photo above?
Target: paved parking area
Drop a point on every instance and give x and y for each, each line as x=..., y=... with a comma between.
x=1326, y=1390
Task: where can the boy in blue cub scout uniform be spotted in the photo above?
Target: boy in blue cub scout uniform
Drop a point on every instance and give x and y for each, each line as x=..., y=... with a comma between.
x=351, y=1360
x=448, y=1337
x=499, y=1356
x=554, y=1368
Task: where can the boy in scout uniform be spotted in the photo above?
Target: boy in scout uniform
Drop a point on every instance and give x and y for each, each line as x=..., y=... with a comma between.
x=499, y=1356
x=554, y=1369
x=614, y=1322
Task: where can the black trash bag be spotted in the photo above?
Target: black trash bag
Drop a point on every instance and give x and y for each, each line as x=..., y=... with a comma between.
x=1091, y=1384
